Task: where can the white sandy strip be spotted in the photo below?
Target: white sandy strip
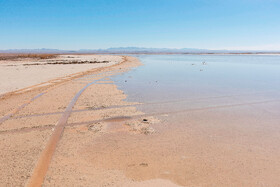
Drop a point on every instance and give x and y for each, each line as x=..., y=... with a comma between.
x=17, y=77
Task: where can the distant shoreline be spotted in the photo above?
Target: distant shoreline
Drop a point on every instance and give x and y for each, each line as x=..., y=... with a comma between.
x=136, y=53
x=139, y=50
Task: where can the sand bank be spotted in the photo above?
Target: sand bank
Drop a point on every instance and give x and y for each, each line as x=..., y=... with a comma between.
x=22, y=73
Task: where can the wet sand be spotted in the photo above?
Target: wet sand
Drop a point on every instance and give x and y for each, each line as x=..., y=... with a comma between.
x=27, y=133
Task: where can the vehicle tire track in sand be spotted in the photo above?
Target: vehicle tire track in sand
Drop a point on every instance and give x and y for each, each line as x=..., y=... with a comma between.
x=8, y=116
x=43, y=163
x=54, y=81
x=148, y=103
x=135, y=116
x=123, y=118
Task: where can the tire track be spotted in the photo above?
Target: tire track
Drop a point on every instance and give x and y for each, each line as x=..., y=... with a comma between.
x=123, y=118
x=150, y=103
x=56, y=82
x=43, y=163
x=8, y=116
x=171, y=112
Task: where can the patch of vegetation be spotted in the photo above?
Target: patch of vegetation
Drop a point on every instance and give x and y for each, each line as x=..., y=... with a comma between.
x=23, y=56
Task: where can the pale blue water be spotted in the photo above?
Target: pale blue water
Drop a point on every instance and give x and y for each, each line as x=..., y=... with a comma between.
x=243, y=78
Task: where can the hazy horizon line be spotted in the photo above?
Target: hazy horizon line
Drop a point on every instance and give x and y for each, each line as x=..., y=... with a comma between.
x=147, y=48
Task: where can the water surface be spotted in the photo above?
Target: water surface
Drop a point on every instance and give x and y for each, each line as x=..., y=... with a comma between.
x=220, y=119
x=247, y=78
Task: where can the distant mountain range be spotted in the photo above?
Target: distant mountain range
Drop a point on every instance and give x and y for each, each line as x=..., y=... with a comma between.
x=139, y=50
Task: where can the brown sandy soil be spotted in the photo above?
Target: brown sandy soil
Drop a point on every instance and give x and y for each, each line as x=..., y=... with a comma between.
x=26, y=134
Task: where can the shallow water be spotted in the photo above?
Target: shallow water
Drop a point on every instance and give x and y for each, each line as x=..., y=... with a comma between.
x=220, y=121
x=220, y=80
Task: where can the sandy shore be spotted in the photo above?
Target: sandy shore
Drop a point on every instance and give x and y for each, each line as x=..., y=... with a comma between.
x=22, y=73
x=37, y=134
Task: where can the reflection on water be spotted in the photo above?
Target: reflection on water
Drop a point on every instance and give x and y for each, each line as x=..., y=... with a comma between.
x=223, y=122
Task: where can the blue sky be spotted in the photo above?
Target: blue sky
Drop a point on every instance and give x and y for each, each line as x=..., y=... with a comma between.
x=91, y=24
